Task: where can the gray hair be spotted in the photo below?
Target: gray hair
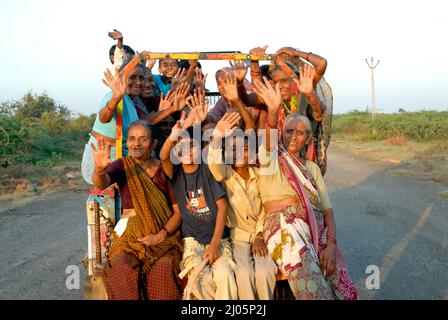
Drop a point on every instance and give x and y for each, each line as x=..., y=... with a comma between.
x=298, y=117
x=144, y=123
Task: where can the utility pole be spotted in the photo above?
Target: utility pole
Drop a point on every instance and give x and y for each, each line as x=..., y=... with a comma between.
x=372, y=65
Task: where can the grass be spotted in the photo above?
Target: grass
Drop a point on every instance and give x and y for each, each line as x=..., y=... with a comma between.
x=418, y=139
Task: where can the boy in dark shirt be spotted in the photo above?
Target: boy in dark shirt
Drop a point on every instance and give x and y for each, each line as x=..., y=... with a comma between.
x=203, y=208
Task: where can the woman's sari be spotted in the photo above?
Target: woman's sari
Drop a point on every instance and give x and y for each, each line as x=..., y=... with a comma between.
x=159, y=263
x=305, y=186
x=152, y=213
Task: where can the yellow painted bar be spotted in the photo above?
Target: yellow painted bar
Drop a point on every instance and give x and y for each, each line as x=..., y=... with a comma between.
x=207, y=56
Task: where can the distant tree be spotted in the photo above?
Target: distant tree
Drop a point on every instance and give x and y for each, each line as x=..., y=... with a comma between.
x=34, y=106
x=401, y=110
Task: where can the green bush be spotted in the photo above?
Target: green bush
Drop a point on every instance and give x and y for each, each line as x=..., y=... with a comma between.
x=418, y=126
x=37, y=130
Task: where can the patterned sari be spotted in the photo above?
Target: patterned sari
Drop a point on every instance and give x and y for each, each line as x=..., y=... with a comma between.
x=130, y=259
x=305, y=186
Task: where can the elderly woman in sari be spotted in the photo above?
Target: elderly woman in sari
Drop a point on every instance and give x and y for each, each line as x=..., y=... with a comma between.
x=105, y=126
x=299, y=228
x=147, y=247
x=286, y=70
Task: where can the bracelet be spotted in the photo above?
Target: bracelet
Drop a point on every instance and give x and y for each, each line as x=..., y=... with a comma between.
x=99, y=174
x=269, y=125
x=331, y=239
x=107, y=106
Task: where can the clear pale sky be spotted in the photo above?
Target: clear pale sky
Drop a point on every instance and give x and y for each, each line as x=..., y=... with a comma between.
x=62, y=46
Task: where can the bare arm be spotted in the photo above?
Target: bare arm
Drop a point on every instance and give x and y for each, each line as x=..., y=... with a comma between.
x=159, y=116
x=164, y=155
x=171, y=226
x=273, y=100
x=255, y=71
x=175, y=221
x=328, y=255
x=245, y=114
x=225, y=127
x=213, y=252
x=230, y=93
x=318, y=62
x=220, y=221
x=172, y=102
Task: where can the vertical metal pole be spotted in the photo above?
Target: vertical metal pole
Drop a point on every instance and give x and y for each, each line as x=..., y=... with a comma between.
x=99, y=258
x=372, y=66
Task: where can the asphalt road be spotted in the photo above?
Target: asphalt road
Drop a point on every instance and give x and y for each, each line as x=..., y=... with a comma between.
x=397, y=224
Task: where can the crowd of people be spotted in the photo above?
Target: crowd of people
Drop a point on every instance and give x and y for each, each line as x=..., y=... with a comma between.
x=238, y=185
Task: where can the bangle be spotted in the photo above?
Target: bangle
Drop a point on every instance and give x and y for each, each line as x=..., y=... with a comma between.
x=269, y=125
x=107, y=106
x=100, y=174
x=331, y=239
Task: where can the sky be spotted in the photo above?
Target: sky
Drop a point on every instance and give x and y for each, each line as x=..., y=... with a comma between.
x=61, y=47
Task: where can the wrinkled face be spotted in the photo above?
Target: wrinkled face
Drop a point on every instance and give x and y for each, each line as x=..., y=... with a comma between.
x=149, y=84
x=296, y=136
x=220, y=75
x=168, y=67
x=139, y=142
x=188, y=151
x=279, y=76
x=135, y=82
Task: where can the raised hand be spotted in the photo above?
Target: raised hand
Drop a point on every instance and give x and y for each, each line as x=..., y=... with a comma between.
x=149, y=63
x=167, y=101
x=271, y=96
x=180, y=96
x=200, y=106
x=239, y=69
x=259, y=51
x=117, y=83
x=193, y=64
x=199, y=79
x=179, y=78
x=227, y=125
x=305, y=83
x=116, y=35
x=101, y=156
x=229, y=88
x=179, y=127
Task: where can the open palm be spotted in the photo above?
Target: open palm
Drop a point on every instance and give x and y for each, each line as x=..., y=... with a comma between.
x=270, y=95
x=101, y=156
x=305, y=83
